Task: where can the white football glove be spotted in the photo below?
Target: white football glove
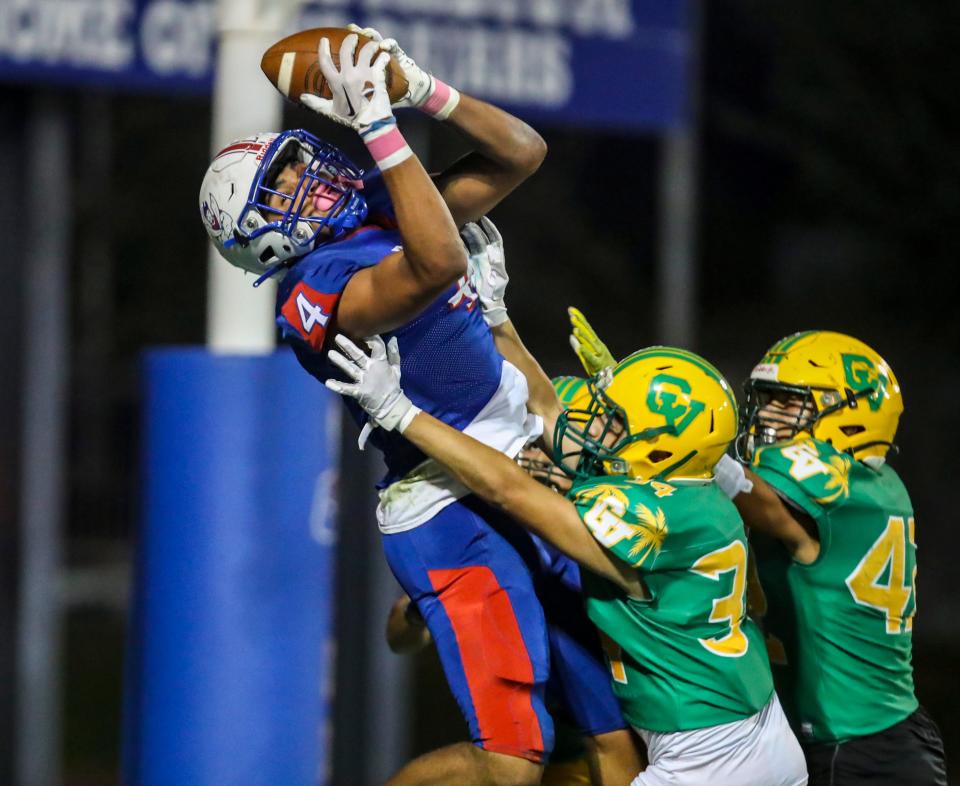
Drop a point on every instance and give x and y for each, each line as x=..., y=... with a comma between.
x=487, y=268
x=419, y=82
x=731, y=478
x=376, y=381
x=354, y=104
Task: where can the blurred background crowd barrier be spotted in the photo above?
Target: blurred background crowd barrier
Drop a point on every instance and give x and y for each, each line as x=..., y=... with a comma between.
x=720, y=174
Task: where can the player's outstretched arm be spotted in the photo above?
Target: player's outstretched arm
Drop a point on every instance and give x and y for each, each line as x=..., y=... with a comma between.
x=542, y=399
x=392, y=292
x=506, y=151
x=404, y=283
x=764, y=511
x=487, y=267
x=495, y=478
x=486, y=472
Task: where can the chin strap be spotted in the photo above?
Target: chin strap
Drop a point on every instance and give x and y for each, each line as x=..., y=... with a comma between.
x=875, y=462
x=271, y=271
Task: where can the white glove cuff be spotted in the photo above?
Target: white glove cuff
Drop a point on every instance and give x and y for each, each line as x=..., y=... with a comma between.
x=408, y=416
x=495, y=315
x=389, y=414
x=441, y=100
x=731, y=477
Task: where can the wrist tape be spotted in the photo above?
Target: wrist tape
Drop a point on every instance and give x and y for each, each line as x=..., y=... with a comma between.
x=386, y=144
x=441, y=100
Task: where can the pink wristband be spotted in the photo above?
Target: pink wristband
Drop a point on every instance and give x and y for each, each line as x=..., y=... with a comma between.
x=442, y=100
x=387, y=146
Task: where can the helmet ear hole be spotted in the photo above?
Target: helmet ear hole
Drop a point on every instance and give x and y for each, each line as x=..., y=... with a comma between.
x=657, y=456
x=266, y=255
x=852, y=430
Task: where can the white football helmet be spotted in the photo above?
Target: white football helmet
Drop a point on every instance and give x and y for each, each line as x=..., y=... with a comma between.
x=256, y=237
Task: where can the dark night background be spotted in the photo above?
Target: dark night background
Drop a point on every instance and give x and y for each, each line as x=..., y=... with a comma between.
x=829, y=181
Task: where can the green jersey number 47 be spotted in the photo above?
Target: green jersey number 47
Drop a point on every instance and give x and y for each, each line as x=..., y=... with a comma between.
x=887, y=557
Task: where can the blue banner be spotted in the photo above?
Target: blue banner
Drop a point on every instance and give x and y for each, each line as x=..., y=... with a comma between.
x=229, y=676
x=132, y=44
x=615, y=63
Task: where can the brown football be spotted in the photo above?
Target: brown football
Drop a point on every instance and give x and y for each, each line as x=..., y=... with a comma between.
x=292, y=66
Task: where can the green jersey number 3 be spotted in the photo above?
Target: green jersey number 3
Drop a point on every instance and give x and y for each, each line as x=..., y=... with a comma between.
x=730, y=609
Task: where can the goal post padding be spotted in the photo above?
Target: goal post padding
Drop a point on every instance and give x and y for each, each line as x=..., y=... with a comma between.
x=229, y=655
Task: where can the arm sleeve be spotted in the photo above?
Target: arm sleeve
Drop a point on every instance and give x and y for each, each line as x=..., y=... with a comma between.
x=622, y=523
x=808, y=477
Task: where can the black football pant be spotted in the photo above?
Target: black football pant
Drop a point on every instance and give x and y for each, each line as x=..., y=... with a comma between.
x=909, y=753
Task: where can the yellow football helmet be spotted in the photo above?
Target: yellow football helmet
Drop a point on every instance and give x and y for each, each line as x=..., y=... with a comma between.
x=850, y=397
x=659, y=413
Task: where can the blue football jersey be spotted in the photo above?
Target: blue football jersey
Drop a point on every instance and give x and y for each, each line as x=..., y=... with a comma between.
x=450, y=366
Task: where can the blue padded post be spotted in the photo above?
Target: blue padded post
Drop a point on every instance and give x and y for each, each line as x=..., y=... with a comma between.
x=229, y=656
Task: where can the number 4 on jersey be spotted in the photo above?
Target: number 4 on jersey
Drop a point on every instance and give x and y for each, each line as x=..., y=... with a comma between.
x=888, y=556
x=306, y=314
x=310, y=313
x=805, y=462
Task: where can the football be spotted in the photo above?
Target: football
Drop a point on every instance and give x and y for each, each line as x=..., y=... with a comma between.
x=293, y=67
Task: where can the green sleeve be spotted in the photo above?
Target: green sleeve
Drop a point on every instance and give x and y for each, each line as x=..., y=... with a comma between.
x=809, y=474
x=620, y=519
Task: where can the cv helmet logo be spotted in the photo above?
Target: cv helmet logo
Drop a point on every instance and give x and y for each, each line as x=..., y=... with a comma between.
x=861, y=374
x=670, y=396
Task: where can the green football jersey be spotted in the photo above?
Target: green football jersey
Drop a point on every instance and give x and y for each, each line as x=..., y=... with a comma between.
x=687, y=656
x=843, y=623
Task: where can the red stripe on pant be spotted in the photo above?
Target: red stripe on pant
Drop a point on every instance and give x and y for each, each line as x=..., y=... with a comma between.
x=495, y=661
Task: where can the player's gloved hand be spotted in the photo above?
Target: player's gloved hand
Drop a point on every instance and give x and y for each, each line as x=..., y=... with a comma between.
x=487, y=268
x=360, y=98
x=424, y=91
x=585, y=342
x=731, y=477
x=376, y=381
